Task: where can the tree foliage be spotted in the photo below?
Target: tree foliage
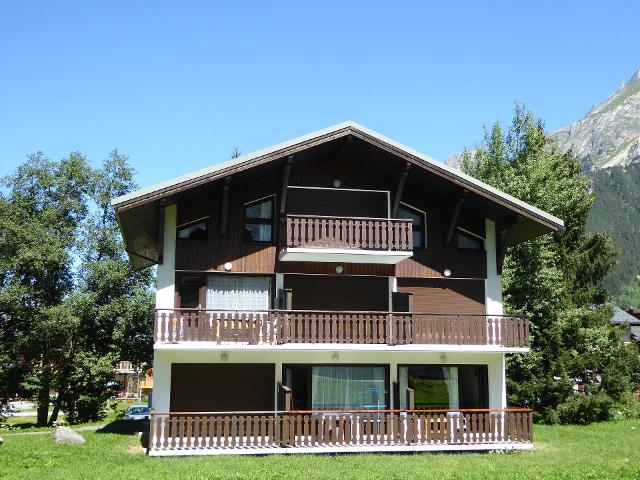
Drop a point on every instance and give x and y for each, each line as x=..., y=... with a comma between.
x=70, y=305
x=555, y=279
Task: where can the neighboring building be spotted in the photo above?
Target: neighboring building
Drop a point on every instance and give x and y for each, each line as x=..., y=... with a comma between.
x=338, y=292
x=628, y=322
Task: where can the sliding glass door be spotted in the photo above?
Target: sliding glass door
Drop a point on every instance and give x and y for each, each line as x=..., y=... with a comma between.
x=448, y=387
x=338, y=387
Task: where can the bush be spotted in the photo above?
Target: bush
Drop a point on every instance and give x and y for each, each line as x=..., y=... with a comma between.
x=584, y=409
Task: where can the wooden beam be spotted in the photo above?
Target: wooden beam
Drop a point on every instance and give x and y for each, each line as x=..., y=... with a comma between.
x=285, y=183
x=504, y=244
x=343, y=148
x=399, y=189
x=453, y=223
x=224, y=215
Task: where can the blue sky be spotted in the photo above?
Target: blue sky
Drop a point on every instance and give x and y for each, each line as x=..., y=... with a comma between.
x=177, y=85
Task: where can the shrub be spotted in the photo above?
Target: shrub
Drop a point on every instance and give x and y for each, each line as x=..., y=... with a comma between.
x=584, y=409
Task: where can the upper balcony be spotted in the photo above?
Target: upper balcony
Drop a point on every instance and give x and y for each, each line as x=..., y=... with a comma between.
x=278, y=327
x=346, y=239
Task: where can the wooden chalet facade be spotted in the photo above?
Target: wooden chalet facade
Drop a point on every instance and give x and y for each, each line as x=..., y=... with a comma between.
x=338, y=292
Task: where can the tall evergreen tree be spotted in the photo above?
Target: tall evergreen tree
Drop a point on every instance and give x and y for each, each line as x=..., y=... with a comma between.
x=556, y=279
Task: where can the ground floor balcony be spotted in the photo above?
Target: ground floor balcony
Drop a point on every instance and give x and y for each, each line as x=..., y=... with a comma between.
x=280, y=327
x=269, y=432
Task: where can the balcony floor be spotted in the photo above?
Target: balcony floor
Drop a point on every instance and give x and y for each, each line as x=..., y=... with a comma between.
x=484, y=447
x=342, y=255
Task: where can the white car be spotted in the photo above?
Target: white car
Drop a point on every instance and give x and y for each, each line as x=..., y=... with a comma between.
x=138, y=412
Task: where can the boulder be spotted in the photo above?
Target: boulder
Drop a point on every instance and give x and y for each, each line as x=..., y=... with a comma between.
x=66, y=435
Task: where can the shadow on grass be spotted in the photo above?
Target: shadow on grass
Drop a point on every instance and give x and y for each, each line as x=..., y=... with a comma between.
x=128, y=427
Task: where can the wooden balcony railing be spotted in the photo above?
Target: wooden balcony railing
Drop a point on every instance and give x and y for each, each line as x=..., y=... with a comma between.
x=264, y=431
x=349, y=233
x=273, y=327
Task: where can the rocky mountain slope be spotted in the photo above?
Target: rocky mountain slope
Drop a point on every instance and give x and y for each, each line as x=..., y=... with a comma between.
x=607, y=141
x=609, y=134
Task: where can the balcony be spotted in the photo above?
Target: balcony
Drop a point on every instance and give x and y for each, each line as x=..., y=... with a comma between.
x=259, y=433
x=278, y=327
x=346, y=239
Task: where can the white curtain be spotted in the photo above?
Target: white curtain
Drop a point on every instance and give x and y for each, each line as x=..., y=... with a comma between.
x=451, y=379
x=348, y=388
x=403, y=383
x=238, y=292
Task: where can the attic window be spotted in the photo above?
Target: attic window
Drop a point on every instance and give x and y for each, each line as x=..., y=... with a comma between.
x=193, y=231
x=258, y=221
x=469, y=241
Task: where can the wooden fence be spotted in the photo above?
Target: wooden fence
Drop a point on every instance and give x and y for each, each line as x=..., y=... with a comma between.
x=274, y=327
x=347, y=232
x=304, y=429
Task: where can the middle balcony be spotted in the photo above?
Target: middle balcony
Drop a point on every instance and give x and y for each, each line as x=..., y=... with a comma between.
x=314, y=238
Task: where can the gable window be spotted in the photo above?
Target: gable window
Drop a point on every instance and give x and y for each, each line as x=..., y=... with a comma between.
x=419, y=224
x=258, y=220
x=193, y=231
x=469, y=241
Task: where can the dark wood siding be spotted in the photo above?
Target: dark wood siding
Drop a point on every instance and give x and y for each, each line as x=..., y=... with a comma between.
x=329, y=268
x=338, y=292
x=434, y=295
x=213, y=387
x=342, y=203
x=212, y=254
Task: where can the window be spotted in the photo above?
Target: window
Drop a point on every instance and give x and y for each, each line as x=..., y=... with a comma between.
x=193, y=231
x=238, y=292
x=444, y=386
x=469, y=241
x=258, y=221
x=348, y=388
x=419, y=224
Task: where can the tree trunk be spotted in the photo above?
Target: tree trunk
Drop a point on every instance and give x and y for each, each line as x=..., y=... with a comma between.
x=43, y=396
x=56, y=410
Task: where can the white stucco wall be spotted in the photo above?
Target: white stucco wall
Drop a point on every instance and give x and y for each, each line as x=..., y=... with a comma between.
x=165, y=294
x=164, y=359
x=493, y=289
x=165, y=283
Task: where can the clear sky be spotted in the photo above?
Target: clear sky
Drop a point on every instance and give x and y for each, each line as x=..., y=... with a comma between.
x=176, y=85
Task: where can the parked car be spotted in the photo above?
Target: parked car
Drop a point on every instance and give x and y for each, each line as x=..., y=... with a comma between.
x=138, y=412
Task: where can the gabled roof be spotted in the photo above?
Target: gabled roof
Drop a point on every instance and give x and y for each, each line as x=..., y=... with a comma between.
x=621, y=317
x=342, y=129
x=142, y=199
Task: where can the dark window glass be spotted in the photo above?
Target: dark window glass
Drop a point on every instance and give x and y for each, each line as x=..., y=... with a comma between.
x=404, y=211
x=469, y=242
x=445, y=386
x=258, y=221
x=195, y=231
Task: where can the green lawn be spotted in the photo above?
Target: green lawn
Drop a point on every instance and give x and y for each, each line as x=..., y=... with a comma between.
x=599, y=451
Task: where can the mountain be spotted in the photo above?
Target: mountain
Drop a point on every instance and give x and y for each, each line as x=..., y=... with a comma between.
x=607, y=141
x=609, y=135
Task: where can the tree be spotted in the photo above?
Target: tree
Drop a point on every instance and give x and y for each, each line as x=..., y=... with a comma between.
x=40, y=216
x=555, y=279
x=70, y=305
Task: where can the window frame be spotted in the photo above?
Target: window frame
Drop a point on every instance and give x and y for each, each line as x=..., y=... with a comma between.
x=192, y=223
x=467, y=233
x=413, y=226
x=260, y=221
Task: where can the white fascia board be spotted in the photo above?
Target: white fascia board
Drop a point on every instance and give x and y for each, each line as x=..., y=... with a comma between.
x=356, y=128
x=344, y=347
x=345, y=255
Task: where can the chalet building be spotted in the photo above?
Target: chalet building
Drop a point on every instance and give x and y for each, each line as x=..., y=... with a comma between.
x=338, y=292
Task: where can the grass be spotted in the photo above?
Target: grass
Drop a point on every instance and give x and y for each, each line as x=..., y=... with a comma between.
x=599, y=451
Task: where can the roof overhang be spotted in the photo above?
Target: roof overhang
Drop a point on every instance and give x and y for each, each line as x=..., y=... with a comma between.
x=138, y=211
